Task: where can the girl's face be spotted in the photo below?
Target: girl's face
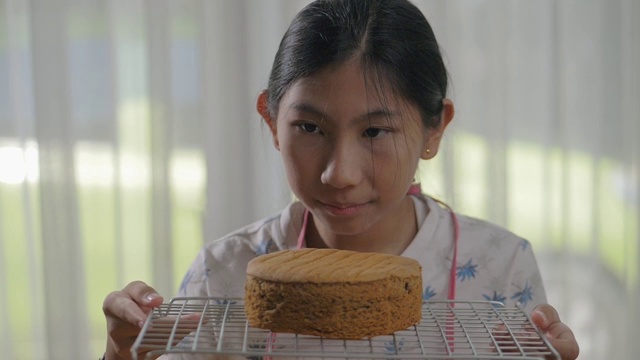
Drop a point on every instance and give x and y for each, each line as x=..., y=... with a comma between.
x=350, y=155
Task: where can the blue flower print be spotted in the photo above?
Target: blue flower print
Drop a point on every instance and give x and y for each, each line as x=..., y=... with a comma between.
x=225, y=302
x=264, y=246
x=185, y=282
x=428, y=293
x=523, y=296
x=392, y=347
x=524, y=245
x=496, y=297
x=467, y=271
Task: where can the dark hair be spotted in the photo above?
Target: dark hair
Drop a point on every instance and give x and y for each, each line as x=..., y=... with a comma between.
x=390, y=37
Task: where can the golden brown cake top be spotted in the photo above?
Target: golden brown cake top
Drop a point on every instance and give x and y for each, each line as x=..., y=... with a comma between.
x=330, y=266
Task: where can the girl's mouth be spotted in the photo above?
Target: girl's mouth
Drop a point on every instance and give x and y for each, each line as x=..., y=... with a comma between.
x=344, y=209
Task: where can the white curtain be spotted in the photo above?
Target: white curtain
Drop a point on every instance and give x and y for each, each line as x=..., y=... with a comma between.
x=128, y=137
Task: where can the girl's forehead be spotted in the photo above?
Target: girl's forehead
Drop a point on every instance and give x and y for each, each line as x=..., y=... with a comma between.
x=349, y=83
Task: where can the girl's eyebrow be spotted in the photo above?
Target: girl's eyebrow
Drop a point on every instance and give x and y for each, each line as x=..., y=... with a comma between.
x=376, y=113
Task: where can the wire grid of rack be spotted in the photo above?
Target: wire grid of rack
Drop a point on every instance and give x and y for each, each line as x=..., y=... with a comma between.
x=216, y=328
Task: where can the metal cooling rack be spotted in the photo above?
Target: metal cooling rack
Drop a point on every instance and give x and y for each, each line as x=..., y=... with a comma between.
x=215, y=328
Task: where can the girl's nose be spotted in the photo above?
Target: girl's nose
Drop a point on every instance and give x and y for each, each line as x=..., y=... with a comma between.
x=344, y=168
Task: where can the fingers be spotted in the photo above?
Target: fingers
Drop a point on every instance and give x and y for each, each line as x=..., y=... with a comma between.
x=131, y=303
x=143, y=294
x=567, y=347
x=563, y=340
x=546, y=318
x=126, y=311
x=118, y=305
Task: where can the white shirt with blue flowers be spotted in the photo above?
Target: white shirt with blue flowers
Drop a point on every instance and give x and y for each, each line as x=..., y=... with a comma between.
x=492, y=264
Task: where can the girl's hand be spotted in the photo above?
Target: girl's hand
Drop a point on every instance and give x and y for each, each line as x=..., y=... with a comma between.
x=126, y=312
x=546, y=318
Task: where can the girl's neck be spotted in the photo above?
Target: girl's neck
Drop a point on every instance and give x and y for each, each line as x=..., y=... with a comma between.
x=391, y=235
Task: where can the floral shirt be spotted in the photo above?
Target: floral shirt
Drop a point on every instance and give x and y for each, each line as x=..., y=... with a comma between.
x=492, y=263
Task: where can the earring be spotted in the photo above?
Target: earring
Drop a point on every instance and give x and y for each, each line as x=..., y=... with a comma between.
x=427, y=151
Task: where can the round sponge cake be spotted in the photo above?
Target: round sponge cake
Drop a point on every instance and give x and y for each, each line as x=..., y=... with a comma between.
x=333, y=293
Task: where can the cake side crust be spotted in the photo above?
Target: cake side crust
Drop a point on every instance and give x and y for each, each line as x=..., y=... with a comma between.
x=345, y=310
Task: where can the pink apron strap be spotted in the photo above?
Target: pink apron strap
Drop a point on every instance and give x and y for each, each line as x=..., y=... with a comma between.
x=305, y=220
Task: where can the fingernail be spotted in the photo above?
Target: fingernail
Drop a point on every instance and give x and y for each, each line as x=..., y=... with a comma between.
x=543, y=317
x=140, y=324
x=151, y=297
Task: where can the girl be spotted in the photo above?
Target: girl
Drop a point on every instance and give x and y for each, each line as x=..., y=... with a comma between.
x=356, y=97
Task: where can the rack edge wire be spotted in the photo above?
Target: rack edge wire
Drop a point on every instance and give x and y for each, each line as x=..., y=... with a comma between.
x=230, y=312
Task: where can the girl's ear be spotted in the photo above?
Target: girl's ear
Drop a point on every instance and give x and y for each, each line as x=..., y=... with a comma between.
x=263, y=110
x=434, y=135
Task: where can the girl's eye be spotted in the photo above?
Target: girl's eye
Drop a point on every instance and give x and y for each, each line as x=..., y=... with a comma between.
x=309, y=128
x=375, y=132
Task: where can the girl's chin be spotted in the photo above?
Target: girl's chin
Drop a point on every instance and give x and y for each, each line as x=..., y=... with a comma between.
x=343, y=226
